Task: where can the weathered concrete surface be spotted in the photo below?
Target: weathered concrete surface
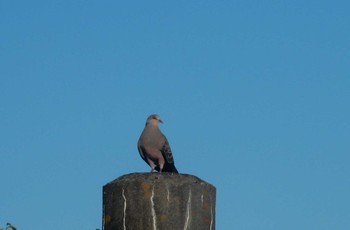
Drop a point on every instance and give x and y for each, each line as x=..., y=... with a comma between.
x=158, y=201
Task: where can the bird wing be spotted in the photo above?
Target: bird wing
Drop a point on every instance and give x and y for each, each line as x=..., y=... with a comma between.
x=141, y=152
x=167, y=154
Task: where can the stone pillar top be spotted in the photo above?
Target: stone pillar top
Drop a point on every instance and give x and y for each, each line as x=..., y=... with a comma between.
x=171, y=178
x=158, y=201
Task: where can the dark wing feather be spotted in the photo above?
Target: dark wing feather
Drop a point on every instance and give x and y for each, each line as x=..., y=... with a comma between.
x=167, y=154
x=169, y=165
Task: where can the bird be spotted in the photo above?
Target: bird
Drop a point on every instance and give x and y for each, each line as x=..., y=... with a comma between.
x=154, y=147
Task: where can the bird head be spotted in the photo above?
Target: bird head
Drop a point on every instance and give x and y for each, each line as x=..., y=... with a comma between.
x=154, y=119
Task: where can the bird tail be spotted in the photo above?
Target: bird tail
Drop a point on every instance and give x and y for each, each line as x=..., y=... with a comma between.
x=170, y=168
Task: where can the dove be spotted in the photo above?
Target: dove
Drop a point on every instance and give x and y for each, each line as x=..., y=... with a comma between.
x=154, y=147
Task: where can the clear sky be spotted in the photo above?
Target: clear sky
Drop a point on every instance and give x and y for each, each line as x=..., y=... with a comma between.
x=254, y=96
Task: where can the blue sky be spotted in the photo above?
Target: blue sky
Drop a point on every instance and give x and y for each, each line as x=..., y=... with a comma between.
x=254, y=96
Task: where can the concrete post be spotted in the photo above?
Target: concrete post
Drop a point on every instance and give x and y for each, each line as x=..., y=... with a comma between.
x=158, y=201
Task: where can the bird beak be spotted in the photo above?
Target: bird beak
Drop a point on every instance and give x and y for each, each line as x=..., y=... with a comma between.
x=160, y=121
